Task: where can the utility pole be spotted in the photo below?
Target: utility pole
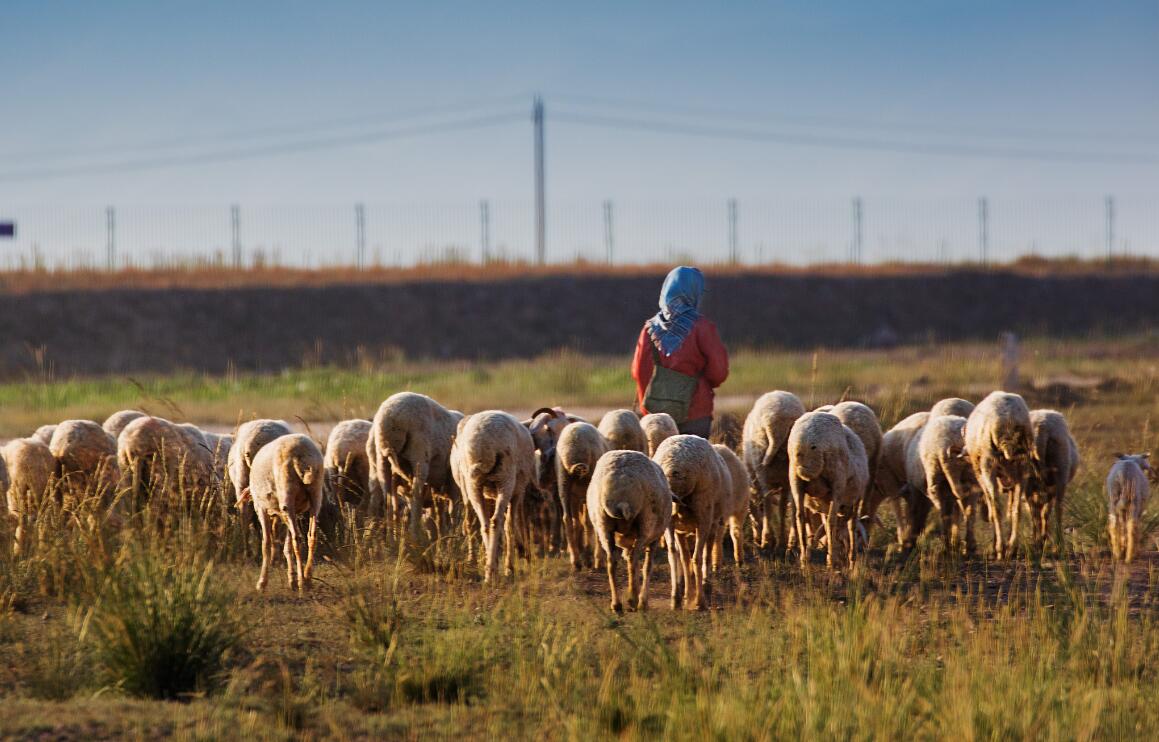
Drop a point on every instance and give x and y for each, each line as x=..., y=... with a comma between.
x=540, y=197
x=485, y=231
x=360, y=235
x=1110, y=228
x=235, y=222
x=609, y=236
x=855, y=256
x=111, y=239
x=733, y=248
x=984, y=230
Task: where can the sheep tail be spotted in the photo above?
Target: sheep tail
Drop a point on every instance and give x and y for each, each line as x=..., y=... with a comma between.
x=305, y=473
x=579, y=470
x=618, y=510
x=480, y=469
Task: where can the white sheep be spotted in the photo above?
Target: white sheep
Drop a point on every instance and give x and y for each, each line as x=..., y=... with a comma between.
x=31, y=471
x=698, y=480
x=161, y=459
x=286, y=481
x=248, y=439
x=766, y=457
x=952, y=406
x=891, y=480
x=86, y=458
x=117, y=421
x=622, y=430
x=657, y=427
x=412, y=436
x=734, y=506
x=828, y=474
x=347, y=467
x=1055, y=461
x=1000, y=441
x=1127, y=491
x=219, y=446
x=495, y=459
x=630, y=506
x=938, y=469
x=44, y=434
x=580, y=446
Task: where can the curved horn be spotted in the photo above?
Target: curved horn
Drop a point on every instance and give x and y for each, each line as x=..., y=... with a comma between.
x=541, y=410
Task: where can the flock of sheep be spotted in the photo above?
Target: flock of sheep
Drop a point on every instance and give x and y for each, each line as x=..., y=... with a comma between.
x=801, y=480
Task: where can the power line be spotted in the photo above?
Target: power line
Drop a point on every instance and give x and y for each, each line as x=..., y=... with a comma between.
x=764, y=118
x=315, y=128
x=270, y=150
x=850, y=142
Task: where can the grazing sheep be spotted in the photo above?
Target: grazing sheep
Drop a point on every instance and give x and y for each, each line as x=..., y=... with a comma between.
x=630, y=506
x=117, y=421
x=938, y=469
x=161, y=459
x=580, y=446
x=698, y=480
x=495, y=457
x=248, y=439
x=1055, y=460
x=657, y=427
x=413, y=435
x=44, y=434
x=86, y=459
x=347, y=467
x=952, y=406
x=31, y=470
x=286, y=482
x=1000, y=441
x=219, y=446
x=546, y=425
x=1127, y=492
x=623, y=432
x=890, y=483
x=828, y=474
x=4, y=481
x=734, y=506
x=862, y=420
x=766, y=457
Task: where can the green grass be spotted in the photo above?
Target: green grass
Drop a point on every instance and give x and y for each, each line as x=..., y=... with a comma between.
x=396, y=643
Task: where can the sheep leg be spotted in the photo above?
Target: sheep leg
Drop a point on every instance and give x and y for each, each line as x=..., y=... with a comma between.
x=569, y=522
x=1015, y=513
x=495, y=530
x=632, y=557
x=645, y=579
x=311, y=543
x=851, y=522
x=294, y=548
x=1132, y=531
x=267, y=548
x=675, y=567
x=1113, y=534
x=736, y=529
x=514, y=534
x=799, y=518
x=831, y=535
x=989, y=486
x=716, y=549
x=783, y=528
x=610, y=548
x=700, y=563
x=417, y=492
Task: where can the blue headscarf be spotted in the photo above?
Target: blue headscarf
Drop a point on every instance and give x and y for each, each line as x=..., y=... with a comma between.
x=679, y=308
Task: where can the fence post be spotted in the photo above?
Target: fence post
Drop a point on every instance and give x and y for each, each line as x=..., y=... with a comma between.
x=540, y=189
x=733, y=249
x=855, y=250
x=984, y=230
x=485, y=231
x=235, y=228
x=1110, y=228
x=111, y=239
x=360, y=236
x=609, y=236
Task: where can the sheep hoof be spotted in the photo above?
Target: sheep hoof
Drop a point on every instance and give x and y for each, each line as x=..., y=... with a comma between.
x=617, y=609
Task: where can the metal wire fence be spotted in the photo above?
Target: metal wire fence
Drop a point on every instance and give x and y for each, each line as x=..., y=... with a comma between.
x=797, y=231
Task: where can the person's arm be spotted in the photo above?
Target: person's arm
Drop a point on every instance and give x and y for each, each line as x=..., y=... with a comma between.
x=716, y=368
x=642, y=365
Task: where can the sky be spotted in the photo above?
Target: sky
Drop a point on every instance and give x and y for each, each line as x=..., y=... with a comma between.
x=1050, y=101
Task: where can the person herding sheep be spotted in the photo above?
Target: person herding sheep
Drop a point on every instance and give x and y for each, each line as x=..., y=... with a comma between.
x=679, y=358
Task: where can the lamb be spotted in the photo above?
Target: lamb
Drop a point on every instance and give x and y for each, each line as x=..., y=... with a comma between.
x=734, y=506
x=286, y=482
x=86, y=458
x=495, y=458
x=828, y=474
x=160, y=458
x=952, y=406
x=44, y=434
x=31, y=471
x=1055, y=460
x=890, y=482
x=347, y=467
x=766, y=430
x=999, y=441
x=657, y=427
x=623, y=432
x=579, y=448
x=630, y=506
x=938, y=469
x=248, y=439
x=699, y=481
x=1127, y=491
x=117, y=421
x=413, y=435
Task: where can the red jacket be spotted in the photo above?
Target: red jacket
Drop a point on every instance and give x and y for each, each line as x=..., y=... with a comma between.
x=701, y=354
